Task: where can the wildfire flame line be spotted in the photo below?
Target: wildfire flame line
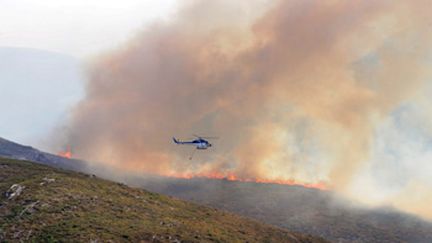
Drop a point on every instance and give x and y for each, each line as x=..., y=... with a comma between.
x=230, y=177
x=233, y=177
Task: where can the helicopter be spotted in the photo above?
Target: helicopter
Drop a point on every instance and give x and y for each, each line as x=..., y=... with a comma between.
x=200, y=142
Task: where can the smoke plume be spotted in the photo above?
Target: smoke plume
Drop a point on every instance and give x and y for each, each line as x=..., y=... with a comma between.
x=294, y=89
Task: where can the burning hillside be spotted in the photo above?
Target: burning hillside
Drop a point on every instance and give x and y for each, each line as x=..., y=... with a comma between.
x=296, y=208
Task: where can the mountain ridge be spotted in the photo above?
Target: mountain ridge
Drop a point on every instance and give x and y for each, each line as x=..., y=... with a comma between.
x=12, y=150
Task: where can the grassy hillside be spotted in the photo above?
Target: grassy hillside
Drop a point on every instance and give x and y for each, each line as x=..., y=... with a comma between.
x=56, y=205
x=297, y=209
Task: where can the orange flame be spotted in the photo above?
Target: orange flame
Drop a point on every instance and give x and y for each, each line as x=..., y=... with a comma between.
x=233, y=177
x=66, y=154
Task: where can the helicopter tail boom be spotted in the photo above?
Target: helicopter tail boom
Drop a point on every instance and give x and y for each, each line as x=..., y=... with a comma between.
x=181, y=142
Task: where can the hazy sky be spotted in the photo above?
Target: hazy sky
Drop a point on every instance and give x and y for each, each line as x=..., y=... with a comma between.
x=43, y=48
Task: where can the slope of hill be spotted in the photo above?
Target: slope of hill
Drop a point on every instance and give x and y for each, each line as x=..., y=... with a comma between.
x=42, y=204
x=298, y=209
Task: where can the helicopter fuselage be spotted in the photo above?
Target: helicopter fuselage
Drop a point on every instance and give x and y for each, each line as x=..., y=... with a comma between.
x=200, y=143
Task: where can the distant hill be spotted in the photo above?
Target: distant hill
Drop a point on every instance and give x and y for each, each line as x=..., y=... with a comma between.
x=43, y=204
x=297, y=208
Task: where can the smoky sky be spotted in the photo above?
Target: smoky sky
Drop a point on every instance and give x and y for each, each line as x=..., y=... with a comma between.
x=294, y=89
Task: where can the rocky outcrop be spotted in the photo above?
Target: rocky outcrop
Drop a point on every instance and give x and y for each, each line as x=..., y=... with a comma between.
x=14, y=191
